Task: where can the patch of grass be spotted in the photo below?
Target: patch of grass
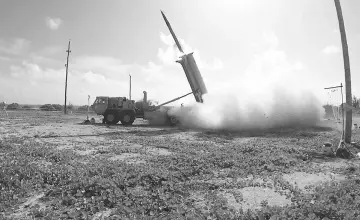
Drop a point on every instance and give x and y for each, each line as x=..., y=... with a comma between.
x=164, y=187
x=335, y=200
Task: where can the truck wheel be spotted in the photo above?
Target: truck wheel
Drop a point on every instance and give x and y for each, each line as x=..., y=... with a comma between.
x=173, y=120
x=111, y=118
x=127, y=118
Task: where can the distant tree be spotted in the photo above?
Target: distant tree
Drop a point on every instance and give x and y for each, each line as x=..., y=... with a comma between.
x=13, y=106
x=356, y=102
x=47, y=107
x=57, y=107
x=70, y=106
x=26, y=107
x=328, y=111
x=83, y=108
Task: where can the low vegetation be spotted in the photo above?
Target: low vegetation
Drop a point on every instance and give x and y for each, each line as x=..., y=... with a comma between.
x=355, y=104
x=189, y=180
x=51, y=107
x=83, y=108
x=13, y=106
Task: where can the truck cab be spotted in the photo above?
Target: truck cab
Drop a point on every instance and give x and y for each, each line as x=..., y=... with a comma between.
x=100, y=105
x=115, y=109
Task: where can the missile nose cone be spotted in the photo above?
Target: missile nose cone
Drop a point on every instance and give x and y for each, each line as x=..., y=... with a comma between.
x=164, y=16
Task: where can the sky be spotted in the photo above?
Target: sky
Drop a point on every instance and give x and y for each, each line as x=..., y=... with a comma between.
x=295, y=42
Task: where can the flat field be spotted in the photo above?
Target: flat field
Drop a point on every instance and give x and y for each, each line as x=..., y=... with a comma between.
x=54, y=167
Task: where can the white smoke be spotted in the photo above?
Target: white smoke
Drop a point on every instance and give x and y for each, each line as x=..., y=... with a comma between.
x=244, y=111
x=273, y=92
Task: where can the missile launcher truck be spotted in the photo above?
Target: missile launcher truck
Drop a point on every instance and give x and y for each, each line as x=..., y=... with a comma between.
x=115, y=109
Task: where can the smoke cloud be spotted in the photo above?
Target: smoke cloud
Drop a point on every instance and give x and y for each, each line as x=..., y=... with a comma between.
x=235, y=112
x=273, y=92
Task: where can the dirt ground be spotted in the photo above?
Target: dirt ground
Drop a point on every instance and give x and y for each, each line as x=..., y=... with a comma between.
x=140, y=144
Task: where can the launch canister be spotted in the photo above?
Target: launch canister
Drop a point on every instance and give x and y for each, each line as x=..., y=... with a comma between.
x=190, y=68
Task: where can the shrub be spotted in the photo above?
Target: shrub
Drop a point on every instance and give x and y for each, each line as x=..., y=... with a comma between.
x=70, y=106
x=58, y=107
x=13, y=106
x=84, y=108
x=47, y=107
x=356, y=102
x=51, y=107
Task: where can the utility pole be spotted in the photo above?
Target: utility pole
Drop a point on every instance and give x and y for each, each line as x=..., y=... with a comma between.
x=346, y=63
x=130, y=87
x=66, y=77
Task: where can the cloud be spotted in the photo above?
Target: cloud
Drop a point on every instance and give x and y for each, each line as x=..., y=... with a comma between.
x=331, y=49
x=271, y=39
x=217, y=64
x=2, y=58
x=46, y=85
x=108, y=66
x=268, y=66
x=271, y=65
x=48, y=56
x=152, y=67
x=93, y=78
x=53, y=23
x=169, y=55
x=32, y=72
x=16, y=47
x=46, y=61
x=51, y=50
x=162, y=78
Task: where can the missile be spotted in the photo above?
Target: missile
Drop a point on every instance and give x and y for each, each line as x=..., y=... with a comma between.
x=171, y=31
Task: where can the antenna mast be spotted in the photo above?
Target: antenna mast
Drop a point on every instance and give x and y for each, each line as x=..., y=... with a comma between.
x=130, y=87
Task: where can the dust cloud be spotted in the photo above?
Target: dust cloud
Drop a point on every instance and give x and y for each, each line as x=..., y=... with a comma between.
x=274, y=106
